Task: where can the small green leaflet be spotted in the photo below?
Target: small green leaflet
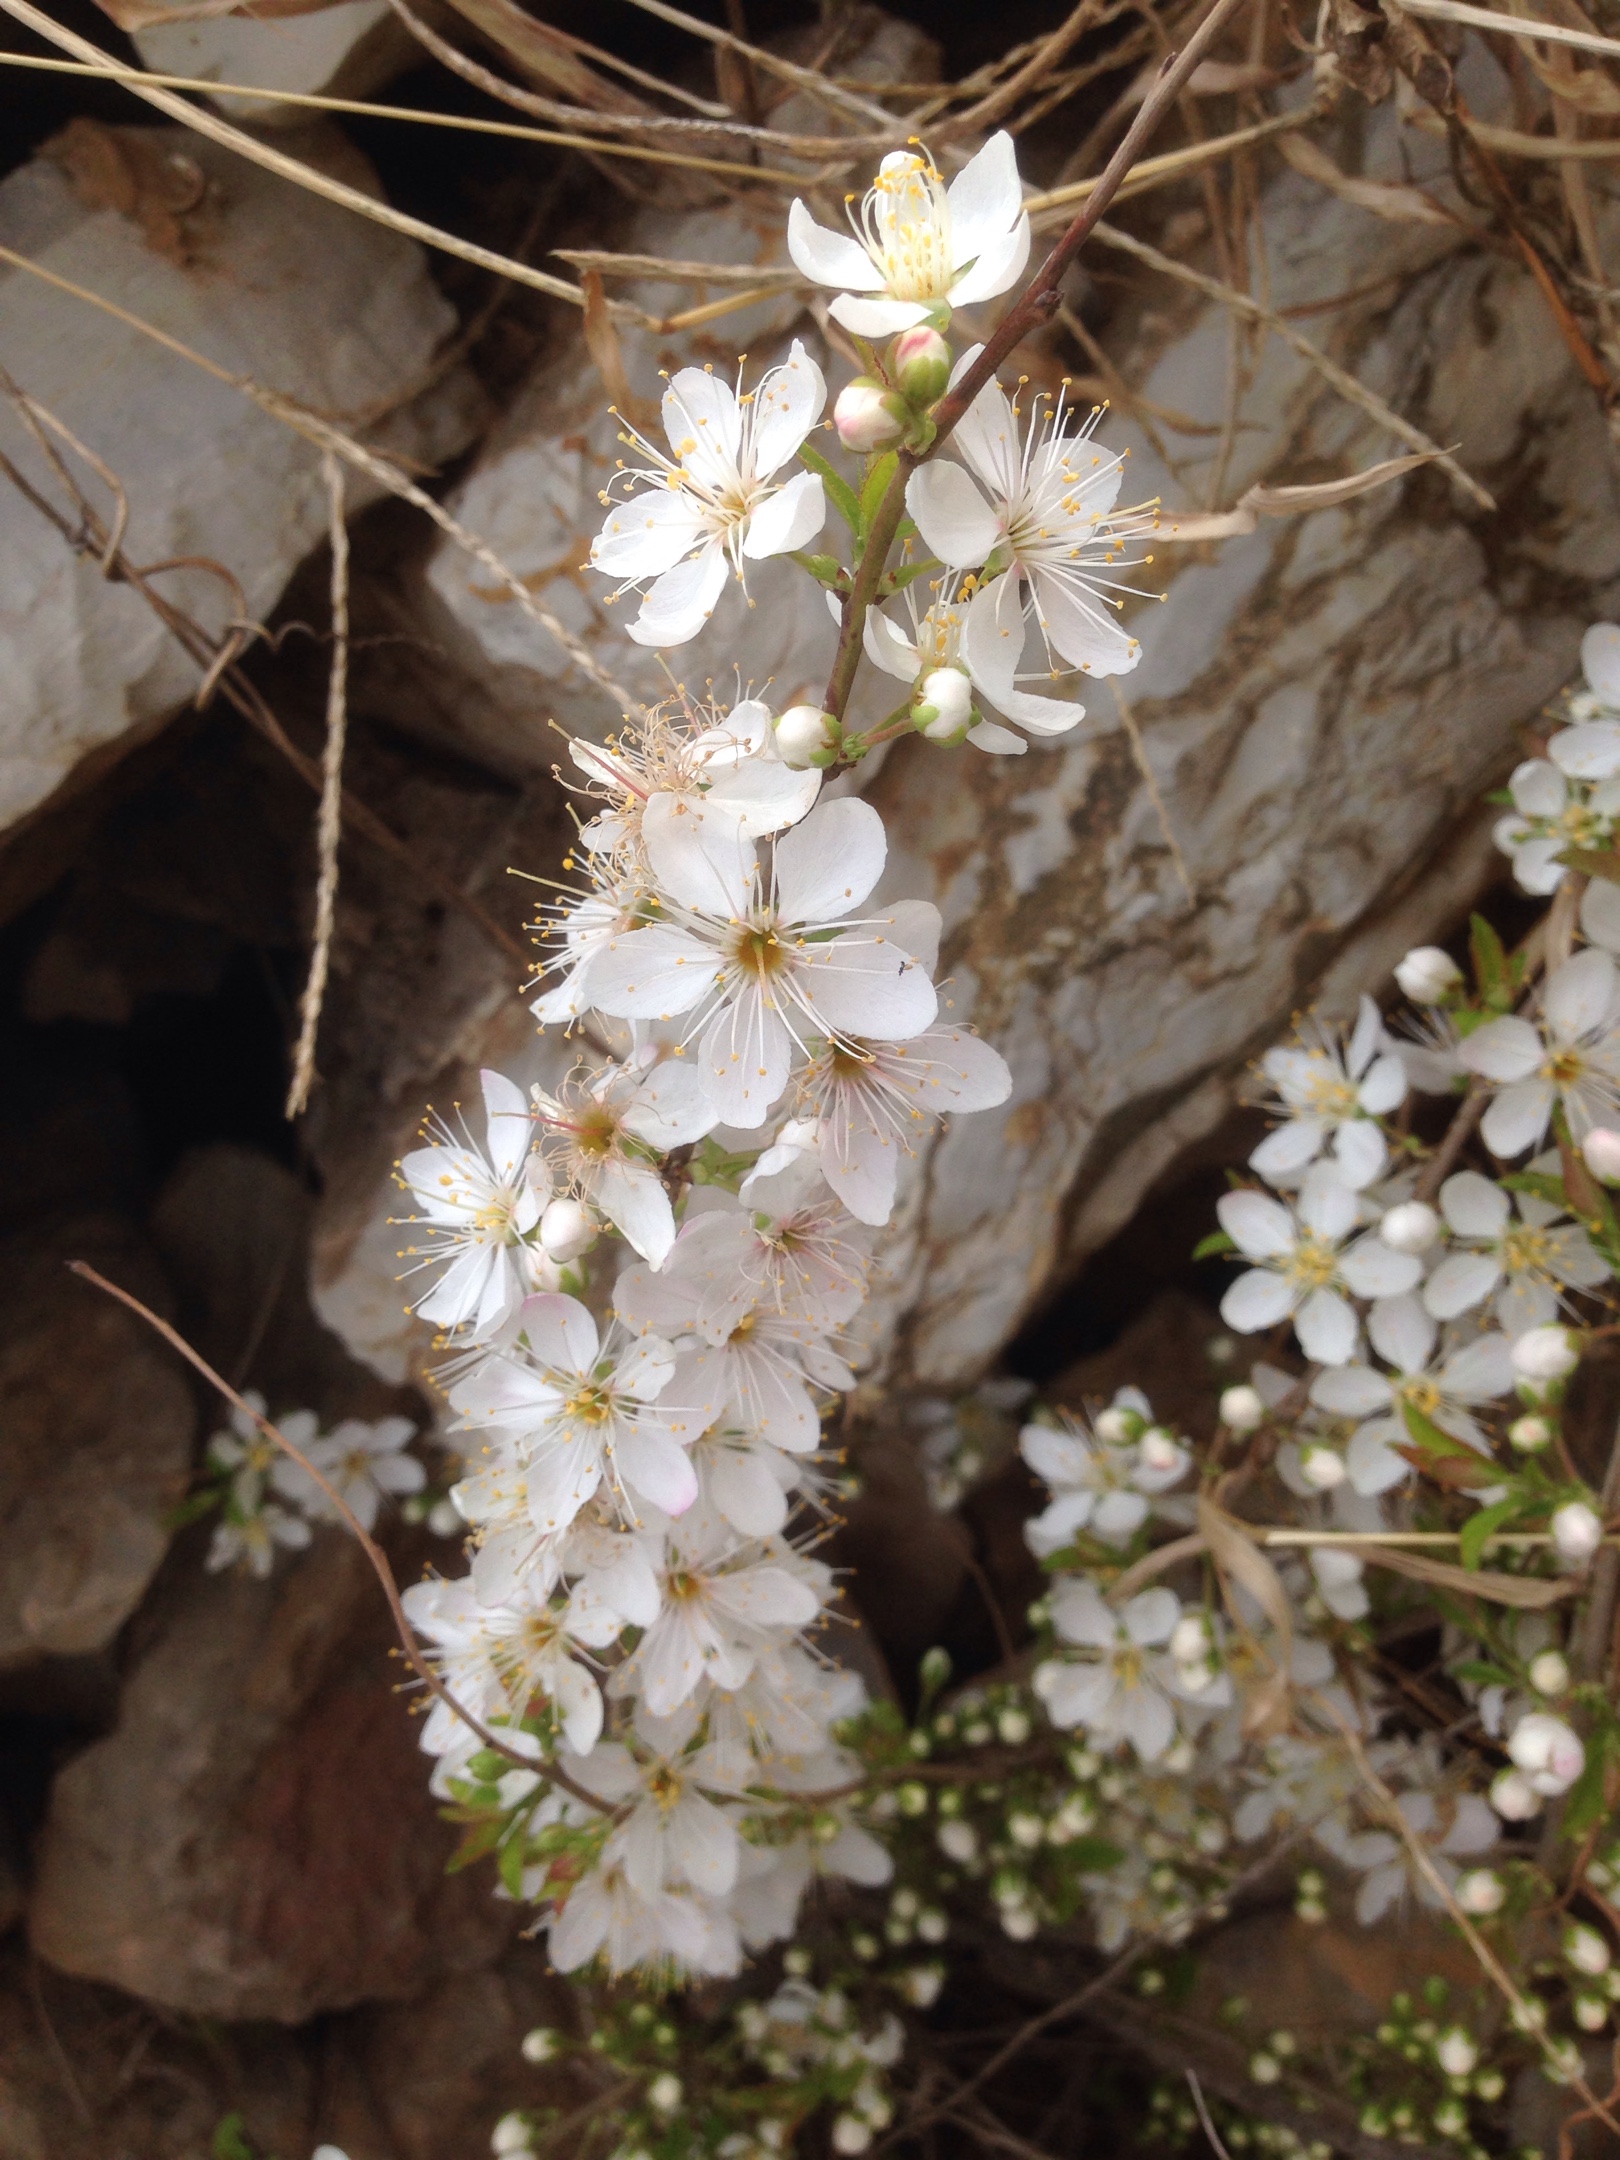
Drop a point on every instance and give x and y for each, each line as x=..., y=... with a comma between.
x=1477, y=1531
x=1218, y=1241
x=842, y=495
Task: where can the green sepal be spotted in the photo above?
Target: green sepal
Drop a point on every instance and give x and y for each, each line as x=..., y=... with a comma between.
x=1218, y=1241
x=844, y=499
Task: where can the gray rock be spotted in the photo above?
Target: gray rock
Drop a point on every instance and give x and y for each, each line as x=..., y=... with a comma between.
x=98, y=1424
x=264, y=279
x=256, y=1838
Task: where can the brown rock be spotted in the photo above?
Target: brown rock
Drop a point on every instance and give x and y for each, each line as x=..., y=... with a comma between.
x=98, y=1427
x=256, y=1838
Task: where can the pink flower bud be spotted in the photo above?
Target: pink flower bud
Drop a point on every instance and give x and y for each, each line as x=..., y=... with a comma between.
x=1481, y=1891
x=920, y=362
x=1601, y=1148
x=1548, y=1752
x=868, y=416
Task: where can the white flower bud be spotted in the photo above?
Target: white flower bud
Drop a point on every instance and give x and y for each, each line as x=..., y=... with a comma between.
x=1412, y=1227
x=1530, y=1434
x=1586, y=1950
x=1115, y=1426
x=1591, y=2012
x=850, y=2134
x=1481, y=1891
x=444, y=1520
x=1427, y=975
x=942, y=707
x=1160, y=1451
x=1513, y=1796
x=1456, y=2052
x=958, y=1840
x=805, y=736
x=1322, y=1468
x=920, y=1984
x=540, y=2045
x=664, y=2093
x=1243, y=1409
x=1026, y=1830
x=1577, y=1532
x=566, y=1229
x=1548, y=1752
x=510, y=2135
x=869, y=416
x=1549, y=1673
x=1018, y=1922
x=1189, y=1639
x=1601, y=1148
x=1546, y=1353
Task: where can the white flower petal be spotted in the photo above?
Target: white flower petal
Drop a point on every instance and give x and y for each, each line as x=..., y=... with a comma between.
x=1402, y=1332
x=676, y=606
x=1474, y=1206
x=1373, y=1269
x=1258, y=1299
x=1518, y=1118
x=877, y=318
x=1461, y=1281
x=953, y=517
x=829, y=258
x=1503, y=1050
x=1326, y=1327
x=827, y=865
x=1600, y=914
x=1256, y=1224
x=1579, y=995
x=787, y=406
x=647, y=534
x=791, y=518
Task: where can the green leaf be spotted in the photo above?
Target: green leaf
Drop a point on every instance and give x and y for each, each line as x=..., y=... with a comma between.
x=1586, y=1805
x=229, y=2141
x=194, y=1507
x=511, y=1865
x=1092, y=1855
x=1490, y=961
x=876, y=487
x=844, y=499
x=480, y=1840
x=1537, y=1182
x=1477, y=1530
x=1479, y=1672
x=1594, y=862
x=1428, y=1436
x=1218, y=1241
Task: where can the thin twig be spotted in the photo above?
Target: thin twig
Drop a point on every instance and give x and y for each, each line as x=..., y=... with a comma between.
x=363, y=108
x=1348, y=386
x=1205, y=2122
x=329, y=819
x=547, y=1772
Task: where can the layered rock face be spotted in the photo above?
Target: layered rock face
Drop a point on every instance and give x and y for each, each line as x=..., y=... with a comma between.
x=263, y=280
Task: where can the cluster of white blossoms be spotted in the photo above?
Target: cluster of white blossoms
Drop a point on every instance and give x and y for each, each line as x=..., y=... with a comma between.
x=645, y=1472
x=266, y=1500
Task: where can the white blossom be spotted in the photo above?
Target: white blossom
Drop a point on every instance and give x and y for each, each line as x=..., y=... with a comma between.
x=580, y=1414
x=715, y=502
x=978, y=628
x=920, y=247
x=1122, y=1692
x=768, y=959
x=478, y=1205
x=1447, y=1393
x=1573, y=1058
x=1331, y=1093
x=1525, y=1261
x=1044, y=509
x=1104, y=1486
x=1301, y=1272
x=606, y=1134
x=721, y=762
x=365, y=1463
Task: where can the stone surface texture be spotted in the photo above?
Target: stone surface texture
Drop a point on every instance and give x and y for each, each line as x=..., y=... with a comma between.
x=263, y=279
x=255, y=1839
x=1322, y=704
x=348, y=50
x=98, y=1426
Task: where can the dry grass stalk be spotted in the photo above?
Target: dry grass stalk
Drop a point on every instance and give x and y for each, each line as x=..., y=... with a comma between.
x=329, y=819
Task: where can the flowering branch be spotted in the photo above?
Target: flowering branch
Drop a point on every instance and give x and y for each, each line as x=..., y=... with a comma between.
x=368, y=1544
x=1035, y=306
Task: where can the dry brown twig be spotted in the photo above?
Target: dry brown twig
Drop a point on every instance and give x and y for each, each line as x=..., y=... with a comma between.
x=329, y=822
